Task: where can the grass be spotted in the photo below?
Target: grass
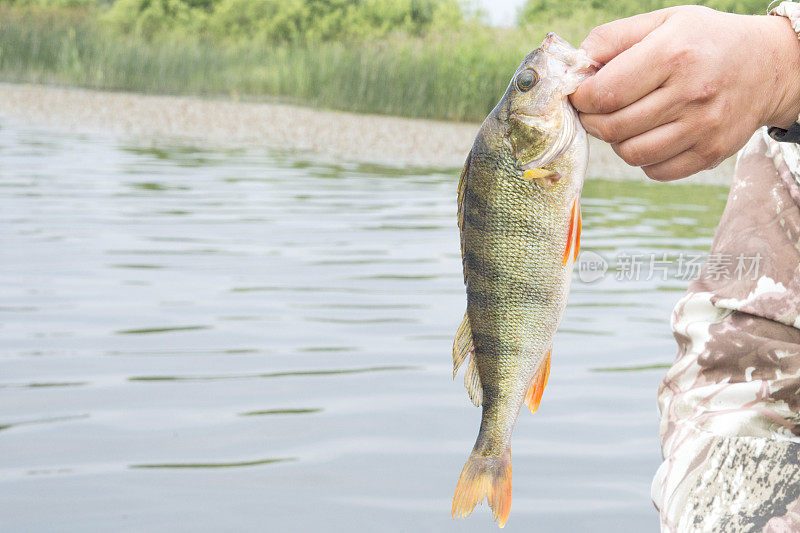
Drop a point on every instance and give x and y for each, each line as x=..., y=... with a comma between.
x=458, y=76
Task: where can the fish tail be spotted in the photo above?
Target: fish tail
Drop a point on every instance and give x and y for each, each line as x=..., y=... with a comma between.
x=488, y=476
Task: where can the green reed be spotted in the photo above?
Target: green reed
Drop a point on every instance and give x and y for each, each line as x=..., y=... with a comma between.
x=456, y=76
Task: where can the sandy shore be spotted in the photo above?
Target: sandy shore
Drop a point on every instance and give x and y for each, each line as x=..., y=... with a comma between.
x=331, y=135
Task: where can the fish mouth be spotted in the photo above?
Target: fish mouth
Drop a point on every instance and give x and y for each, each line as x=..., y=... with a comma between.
x=565, y=52
x=572, y=64
x=558, y=144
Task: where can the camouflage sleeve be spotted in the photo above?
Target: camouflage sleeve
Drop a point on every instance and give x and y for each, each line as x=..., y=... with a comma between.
x=790, y=10
x=730, y=404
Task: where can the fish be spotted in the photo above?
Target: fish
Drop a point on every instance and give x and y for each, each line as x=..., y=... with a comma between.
x=519, y=217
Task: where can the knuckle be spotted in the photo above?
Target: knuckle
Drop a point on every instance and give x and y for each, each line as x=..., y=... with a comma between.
x=605, y=100
x=631, y=153
x=719, y=155
x=654, y=174
x=609, y=131
x=661, y=174
x=714, y=115
x=712, y=154
x=600, y=34
x=709, y=90
x=682, y=55
x=693, y=10
x=704, y=92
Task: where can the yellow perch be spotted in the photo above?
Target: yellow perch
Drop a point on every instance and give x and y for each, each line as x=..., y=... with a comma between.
x=520, y=220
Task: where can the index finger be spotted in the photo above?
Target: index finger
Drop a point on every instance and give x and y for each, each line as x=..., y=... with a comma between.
x=631, y=75
x=608, y=40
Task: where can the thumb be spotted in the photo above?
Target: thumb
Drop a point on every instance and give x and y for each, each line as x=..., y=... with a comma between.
x=607, y=41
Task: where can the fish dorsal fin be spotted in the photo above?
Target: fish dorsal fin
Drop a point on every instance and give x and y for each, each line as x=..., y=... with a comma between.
x=462, y=346
x=538, y=383
x=462, y=195
x=472, y=382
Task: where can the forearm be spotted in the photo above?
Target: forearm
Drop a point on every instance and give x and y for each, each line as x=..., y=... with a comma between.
x=787, y=70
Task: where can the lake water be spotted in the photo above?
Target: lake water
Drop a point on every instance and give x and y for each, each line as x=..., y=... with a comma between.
x=205, y=340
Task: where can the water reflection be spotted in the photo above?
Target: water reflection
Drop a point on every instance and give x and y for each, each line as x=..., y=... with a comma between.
x=305, y=411
x=332, y=372
x=147, y=331
x=42, y=384
x=38, y=421
x=235, y=464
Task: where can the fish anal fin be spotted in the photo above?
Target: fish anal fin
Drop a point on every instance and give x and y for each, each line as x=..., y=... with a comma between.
x=462, y=345
x=484, y=476
x=472, y=382
x=534, y=396
x=464, y=348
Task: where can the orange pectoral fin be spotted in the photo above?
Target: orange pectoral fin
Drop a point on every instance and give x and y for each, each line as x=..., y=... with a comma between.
x=538, y=383
x=569, y=234
x=578, y=233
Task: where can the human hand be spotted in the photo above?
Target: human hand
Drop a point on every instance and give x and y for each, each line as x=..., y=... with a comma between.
x=683, y=88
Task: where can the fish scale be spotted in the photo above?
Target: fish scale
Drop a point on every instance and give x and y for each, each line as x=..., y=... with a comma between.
x=519, y=218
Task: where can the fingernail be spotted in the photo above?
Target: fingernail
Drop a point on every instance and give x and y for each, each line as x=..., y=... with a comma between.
x=587, y=47
x=591, y=131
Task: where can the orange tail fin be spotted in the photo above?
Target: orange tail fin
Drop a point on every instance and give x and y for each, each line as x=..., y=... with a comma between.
x=538, y=383
x=484, y=476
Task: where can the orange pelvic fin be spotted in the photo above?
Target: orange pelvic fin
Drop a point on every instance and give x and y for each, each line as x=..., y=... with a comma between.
x=538, y=383
x=488, y=476
x=570, y=234
x=578, y=232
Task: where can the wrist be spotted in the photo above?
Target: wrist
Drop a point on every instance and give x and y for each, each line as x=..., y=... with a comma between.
x=782, y=63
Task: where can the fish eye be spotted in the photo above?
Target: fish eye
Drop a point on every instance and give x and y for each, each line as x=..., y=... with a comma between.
x=526, y=79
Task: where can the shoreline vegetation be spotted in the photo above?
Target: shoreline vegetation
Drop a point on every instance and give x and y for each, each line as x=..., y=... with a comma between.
x=435, y=59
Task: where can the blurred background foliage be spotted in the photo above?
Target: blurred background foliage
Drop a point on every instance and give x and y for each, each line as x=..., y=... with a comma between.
x=419, y=58
x=281, y=20
x=535, y=10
